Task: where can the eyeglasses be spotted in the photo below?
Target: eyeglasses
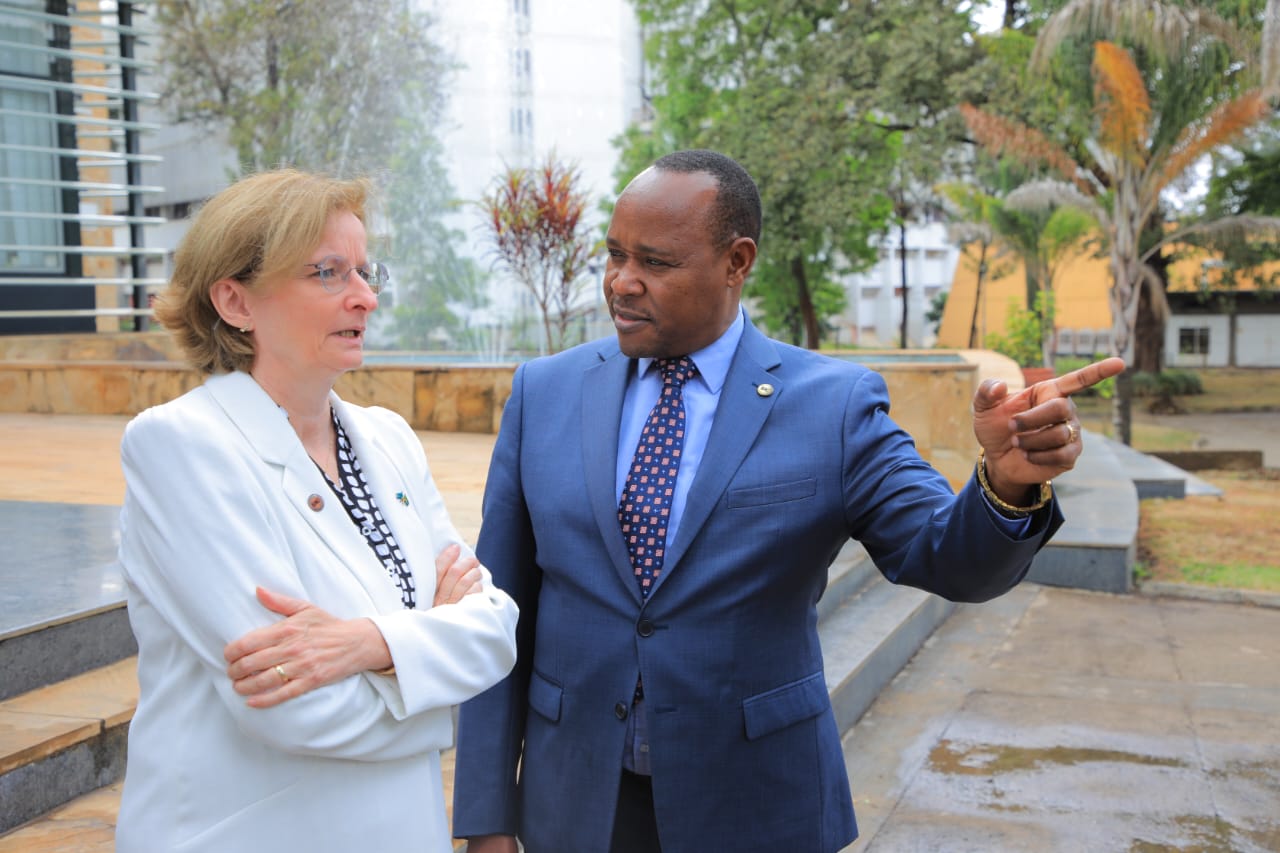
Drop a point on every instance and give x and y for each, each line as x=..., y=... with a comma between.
x=332, y=273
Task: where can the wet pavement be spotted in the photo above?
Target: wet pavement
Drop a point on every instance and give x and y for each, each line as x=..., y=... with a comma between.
x=1060, y=720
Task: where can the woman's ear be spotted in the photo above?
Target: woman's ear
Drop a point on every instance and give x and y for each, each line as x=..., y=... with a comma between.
x=228, y=298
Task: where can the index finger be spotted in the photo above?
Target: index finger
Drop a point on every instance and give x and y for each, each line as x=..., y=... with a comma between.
x=1088, y=376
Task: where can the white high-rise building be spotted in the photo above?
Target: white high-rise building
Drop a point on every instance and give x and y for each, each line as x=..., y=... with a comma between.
x=536, y=77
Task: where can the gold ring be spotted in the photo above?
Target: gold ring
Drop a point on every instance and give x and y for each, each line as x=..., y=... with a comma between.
x=1073, y=433
x=280, y=672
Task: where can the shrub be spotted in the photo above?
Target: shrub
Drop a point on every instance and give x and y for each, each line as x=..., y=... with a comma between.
x=1181, y=382
x=1021, y=342
x=1170, y=383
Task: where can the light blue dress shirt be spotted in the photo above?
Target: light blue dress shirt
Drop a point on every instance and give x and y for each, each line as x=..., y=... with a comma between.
x=701, y=396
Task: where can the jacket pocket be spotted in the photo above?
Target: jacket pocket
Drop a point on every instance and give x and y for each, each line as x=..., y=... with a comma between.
x=773, y=493
x=545, y=696
x=784, y=706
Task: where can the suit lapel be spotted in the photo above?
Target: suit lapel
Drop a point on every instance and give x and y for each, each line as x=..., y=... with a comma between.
x=603, y=388
x=266, y=428
x=740, y=415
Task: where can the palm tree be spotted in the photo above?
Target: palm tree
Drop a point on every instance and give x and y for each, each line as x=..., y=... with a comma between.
x=1136, y=152
x=1043, y=238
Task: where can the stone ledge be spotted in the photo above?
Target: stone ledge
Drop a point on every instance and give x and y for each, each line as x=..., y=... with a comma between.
x=1212, y=460
x=931, y=401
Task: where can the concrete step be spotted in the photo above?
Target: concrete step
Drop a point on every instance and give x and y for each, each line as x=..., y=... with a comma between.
x=1096, y=546
x=86, y=824
x=62, y=609
x=63, y=740
x=870, y=638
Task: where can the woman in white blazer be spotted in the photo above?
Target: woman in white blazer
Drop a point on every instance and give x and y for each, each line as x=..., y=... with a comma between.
x=306, y=613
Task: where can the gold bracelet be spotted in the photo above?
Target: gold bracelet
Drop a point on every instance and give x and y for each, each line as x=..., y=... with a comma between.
x=388, y=671
x=1002, y=506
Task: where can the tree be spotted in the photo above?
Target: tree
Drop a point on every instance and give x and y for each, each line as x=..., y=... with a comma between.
x=1046, y=237
x=308, y=85
x=973, y=230
x=1043, y=238
x=302, y=84
x=1250, y=184
x=1136, y=152
x=814, y=99
x=435, y=288
x=534, y=218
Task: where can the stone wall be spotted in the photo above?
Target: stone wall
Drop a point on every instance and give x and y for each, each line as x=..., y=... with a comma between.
x=108, y=374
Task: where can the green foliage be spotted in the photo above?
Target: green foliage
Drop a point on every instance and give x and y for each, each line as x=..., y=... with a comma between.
x=310, y=85
x=1021, y=340
x=1167, y=383
x=937, y=308
x=1247, y=181
x=820, y=102
x=302, y=84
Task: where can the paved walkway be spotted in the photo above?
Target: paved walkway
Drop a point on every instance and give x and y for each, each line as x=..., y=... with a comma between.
x=1047, y=720
x=1061, y=720
x=1234, y=431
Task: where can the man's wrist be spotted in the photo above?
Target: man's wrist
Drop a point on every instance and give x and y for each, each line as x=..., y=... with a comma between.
x=1042, y=497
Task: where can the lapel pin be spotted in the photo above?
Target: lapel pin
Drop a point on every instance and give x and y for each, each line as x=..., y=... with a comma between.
x=316, y=503
x=403, y=498
x=764, y=389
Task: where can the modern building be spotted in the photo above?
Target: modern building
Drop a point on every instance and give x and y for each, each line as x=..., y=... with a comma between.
x=72, y=254
x=873, y=311
x=537, y=78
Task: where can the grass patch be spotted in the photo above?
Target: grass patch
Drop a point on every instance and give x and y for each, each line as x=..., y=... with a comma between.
x=1226, y=541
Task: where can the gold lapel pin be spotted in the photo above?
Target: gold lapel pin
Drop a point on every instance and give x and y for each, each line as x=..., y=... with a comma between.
x=316, y=503
x=764, y=389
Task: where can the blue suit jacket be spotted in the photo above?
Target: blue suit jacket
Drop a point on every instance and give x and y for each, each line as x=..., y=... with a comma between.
x=745, y=752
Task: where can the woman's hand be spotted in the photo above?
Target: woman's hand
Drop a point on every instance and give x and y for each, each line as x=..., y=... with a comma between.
x=307, y=649
x=455, y=577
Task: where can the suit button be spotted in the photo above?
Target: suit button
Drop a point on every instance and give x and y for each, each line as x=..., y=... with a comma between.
x=644, y=628
x=620, y=711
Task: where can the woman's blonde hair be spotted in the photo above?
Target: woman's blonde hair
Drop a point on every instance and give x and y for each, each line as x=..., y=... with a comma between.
x=255, y=231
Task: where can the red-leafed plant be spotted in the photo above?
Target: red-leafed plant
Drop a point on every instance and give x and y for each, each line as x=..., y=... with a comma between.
x=535, y=221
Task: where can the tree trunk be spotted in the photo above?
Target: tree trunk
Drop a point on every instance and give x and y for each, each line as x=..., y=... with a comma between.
x=1148, y=338
x=1148, y=333
x=902, y=262
x=813, y=335
x=974, y=343
x=1122, y=407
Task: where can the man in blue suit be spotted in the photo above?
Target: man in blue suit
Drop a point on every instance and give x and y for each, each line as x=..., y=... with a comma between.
x=667, y=558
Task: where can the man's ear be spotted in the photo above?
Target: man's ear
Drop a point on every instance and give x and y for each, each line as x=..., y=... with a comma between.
x=742, y=257
x=228, y=298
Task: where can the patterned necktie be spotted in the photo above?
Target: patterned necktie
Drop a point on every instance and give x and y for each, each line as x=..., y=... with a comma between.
x=651, y=481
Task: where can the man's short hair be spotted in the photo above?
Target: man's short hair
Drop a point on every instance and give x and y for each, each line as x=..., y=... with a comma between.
x=737, y=208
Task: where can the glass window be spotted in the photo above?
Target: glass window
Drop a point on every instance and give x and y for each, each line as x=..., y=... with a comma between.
x=27, y=196
x=1193, y=340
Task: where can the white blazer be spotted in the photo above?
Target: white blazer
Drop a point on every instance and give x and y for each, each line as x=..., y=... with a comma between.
x=221, y=497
